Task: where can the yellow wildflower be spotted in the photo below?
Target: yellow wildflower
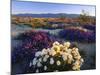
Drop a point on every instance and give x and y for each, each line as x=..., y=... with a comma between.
x=57, y=49
x=67, y=44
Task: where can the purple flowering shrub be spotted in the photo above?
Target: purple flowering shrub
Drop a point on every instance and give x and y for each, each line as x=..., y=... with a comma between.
x=78, y=34
x=90, y=27
x=32, y=41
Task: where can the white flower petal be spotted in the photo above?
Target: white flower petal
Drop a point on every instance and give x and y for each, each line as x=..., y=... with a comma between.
x=34, y=61
x=44, y=51
x=67, y=44
x=51, y=61
x=37, y=71
x=55, y=43
x=40, y=59
x=44, y=59
x=64, y=57
x=39, y=64
x=30, y=64
x=45, y=67
x=37, y=54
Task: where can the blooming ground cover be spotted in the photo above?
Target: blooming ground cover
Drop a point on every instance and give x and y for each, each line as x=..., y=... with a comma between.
x=80, y=34
x=31, y=42
x=90, y=27
x=39, y=52
x=60, y=57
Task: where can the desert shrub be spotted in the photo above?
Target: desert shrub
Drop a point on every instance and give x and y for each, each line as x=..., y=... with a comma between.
x=59, y=57
x=77, y=34
x=85, y=18
x=31, y=42
x=90, y=27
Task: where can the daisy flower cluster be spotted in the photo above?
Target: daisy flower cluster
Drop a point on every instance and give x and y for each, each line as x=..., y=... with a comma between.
x=60, y=57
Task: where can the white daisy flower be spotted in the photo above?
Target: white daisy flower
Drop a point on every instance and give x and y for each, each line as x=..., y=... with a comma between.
x=61, y=53
x=52, y=52
x=77, y=63
x=70, y=56
x=44, y=51
x=70, y=59
x=61, y=46
x=46, y=56
x=75, y=53
x=45, y=67
x=77, y=57
x=37, y=71
x=40, y=59
x=34, y=61
x=58, y=63
x=82, y=60
x=30, y=64
x=76, y=49
x=39, y=64
x=65, y=54
x=74, y=67
x=51, y=61
x=48, y=49
x=67, y=44
x=61, y=50
x=37, y=54
x=69, y=51
x=64, y=57
x=56, y=43
x=44, y=59
x=65, y=49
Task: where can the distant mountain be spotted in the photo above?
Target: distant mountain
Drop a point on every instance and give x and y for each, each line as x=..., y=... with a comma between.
x=48, y=15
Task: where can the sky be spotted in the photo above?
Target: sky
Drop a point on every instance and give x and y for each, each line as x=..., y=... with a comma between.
x=21, y=7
